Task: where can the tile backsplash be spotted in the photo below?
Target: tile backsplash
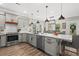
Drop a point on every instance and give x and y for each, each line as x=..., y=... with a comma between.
x=11, y=28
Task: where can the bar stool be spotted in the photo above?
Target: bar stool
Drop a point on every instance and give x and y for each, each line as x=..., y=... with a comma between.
x=73, y=44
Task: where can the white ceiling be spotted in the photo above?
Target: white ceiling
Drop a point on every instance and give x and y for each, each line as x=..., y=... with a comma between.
x=54, y=9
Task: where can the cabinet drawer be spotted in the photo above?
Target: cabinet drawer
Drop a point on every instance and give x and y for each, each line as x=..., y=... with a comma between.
x=52, y=50
x=50, y=40
x=51, y=46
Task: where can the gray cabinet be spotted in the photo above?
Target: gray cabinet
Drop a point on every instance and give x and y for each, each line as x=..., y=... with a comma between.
x=30, y=38
x=22, y=37
x=51, y=46
x=2, y=40
x=33, y=41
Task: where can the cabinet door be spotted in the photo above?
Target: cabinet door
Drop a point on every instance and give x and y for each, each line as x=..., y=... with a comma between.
x=27, y=37
x=20, y=37
x=34, y=40
x=51, y=46
x=43, y=43
x=24, y=38
x=3, y=40
x=30, y=39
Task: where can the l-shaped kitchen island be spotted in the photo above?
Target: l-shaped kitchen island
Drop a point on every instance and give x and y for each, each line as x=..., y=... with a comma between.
x=49, y=43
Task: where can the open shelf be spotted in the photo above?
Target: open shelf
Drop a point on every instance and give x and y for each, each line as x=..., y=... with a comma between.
x=11, y=23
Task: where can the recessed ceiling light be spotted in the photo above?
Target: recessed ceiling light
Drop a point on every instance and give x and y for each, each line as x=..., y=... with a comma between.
x=25, y=12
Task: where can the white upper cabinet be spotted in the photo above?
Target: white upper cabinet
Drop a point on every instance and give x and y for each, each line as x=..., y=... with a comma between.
x=2, y=20
x=23, y=22
x=11, y=17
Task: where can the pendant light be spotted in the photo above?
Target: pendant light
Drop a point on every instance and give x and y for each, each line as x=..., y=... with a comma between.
x=61, y=17
x=38, y=15
x=38, y=22
x=46, y=14
x=32, y=18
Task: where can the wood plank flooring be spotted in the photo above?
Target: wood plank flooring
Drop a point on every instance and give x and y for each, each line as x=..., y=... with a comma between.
x=21, y=49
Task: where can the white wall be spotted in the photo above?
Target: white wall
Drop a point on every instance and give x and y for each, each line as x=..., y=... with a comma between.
x=2, y=20
x=54, y=9
x=70, y=9
x=71, y=21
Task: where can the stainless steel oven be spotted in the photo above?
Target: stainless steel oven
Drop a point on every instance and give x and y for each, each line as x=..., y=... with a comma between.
x=12, y=38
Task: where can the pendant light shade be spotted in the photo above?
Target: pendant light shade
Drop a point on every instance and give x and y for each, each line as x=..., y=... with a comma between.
x=32, y=18
x=46, y=20
x=61, y=16
x=38, y=22
x=32, y=23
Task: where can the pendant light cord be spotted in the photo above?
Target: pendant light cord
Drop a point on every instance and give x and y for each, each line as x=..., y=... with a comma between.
x=32, y=15
x=46, y=13
x=61, y=8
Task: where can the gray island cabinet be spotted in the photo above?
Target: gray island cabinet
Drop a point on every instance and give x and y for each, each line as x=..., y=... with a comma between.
x=49, y=43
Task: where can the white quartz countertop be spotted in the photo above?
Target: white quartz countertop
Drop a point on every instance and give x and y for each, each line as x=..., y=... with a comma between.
x=2, y=34
x=59, y=36
x=25, y=32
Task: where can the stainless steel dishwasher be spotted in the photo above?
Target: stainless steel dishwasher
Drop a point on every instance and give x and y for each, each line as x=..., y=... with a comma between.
x=40, y=42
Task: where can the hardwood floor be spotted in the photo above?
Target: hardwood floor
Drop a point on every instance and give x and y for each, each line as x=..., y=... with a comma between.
x=21, y=49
